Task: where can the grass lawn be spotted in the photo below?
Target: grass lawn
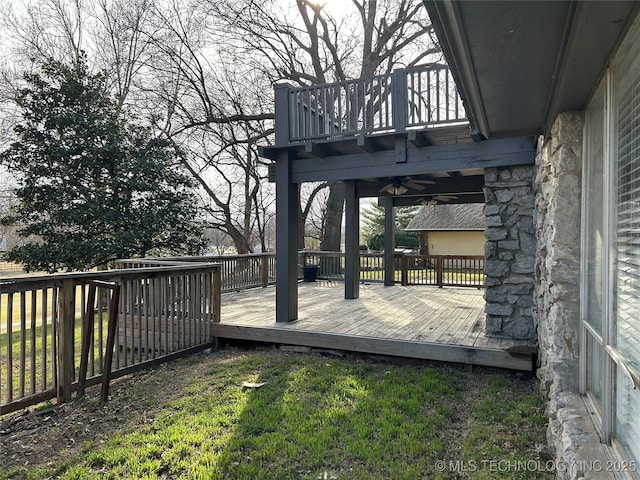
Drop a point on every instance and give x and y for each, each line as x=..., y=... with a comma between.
x=315, y=417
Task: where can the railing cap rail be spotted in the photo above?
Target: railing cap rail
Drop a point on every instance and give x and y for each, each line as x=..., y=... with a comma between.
x=301, y=88
x=80, y=276
x=197, y=258
x=284, y=84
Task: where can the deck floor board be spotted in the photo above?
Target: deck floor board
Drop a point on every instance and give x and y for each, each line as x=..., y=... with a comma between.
x=444, y=324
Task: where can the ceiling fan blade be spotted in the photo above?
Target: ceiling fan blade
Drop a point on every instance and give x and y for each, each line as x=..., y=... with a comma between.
x=412, y=184
x=386, y=187
x=445, y=198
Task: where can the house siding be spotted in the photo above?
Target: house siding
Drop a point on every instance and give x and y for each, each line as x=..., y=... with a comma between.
x=454, y=243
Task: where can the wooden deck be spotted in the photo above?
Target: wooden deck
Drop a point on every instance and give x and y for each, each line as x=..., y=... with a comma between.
x=442, y=324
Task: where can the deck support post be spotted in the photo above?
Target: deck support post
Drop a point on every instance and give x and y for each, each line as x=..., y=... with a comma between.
x=281, y=125
x=66, y=322
x=352, y=242
x=286, y=241
x=389, y=242
x=399, y=92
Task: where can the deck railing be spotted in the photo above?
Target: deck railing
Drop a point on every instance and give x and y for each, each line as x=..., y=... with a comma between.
x=442, y=270
x=163, y=311
x=393, y=102
x=410, y=269
x=237, y=272
x=167, y=307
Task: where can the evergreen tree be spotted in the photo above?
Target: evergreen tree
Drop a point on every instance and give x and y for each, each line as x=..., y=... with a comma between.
x=93, y=186
x=373, y=227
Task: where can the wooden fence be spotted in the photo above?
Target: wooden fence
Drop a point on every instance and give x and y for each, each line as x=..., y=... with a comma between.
x=410, y=269
x=237, y=272
x=163, y=311
x=166, y=308
x=240, y=272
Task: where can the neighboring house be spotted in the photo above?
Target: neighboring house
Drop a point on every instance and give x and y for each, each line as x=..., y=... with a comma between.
x=552, y=97
x=9, y=237
x=447, y=229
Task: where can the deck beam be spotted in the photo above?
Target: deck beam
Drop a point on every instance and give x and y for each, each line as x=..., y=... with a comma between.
x=396, y=348
x=430, y=159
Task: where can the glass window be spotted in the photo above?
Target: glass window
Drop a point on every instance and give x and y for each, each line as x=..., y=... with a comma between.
x=610, y=295
x=594, y=159
x=627, y=164
x=594, y=369
x=627, y=415
x=625, y=151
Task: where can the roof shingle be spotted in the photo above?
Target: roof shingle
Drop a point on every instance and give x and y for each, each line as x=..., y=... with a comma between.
x=467, y=216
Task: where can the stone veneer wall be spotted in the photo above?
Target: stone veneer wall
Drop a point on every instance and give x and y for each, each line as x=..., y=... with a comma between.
x=571, y=433
x=557, y=269
x=510, y=250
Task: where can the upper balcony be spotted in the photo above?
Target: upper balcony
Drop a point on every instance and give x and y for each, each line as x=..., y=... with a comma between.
x=369, y=112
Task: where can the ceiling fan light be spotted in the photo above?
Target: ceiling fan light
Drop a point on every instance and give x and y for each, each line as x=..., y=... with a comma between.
x=396, y=189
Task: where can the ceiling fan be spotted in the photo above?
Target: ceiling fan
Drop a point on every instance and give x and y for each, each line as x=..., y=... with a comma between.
x=400, y=185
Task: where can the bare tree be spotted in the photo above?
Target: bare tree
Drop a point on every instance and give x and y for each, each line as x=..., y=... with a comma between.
x=162, y=66
x=115, y=35
x=316, y=216
x=201, y=72
x=307, y=43
x=216, y=114
x=7, y=203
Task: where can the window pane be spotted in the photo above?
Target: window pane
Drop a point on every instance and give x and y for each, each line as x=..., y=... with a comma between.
x=626, y=163
x=594, y=132
x=594, y=369
x=627, y=415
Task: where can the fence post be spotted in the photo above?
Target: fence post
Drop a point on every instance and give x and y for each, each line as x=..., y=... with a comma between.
x=264, y=269
x=282, y=129
x=405, y=270
x=439, y=270
x=399, y=100
x=66, y=327
x=216, y=294
x=112, y=326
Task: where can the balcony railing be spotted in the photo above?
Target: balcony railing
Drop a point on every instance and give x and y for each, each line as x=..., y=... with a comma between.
x=394, y=102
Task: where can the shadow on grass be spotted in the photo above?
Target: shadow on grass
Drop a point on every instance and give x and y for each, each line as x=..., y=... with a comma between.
x=314, y=418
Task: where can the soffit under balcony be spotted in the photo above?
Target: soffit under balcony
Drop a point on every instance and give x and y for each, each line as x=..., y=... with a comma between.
x=517, y=64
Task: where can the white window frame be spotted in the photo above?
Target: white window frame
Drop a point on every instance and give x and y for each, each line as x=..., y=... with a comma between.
x=612, y=360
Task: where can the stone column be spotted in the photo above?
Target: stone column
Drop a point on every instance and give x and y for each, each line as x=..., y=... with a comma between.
x=510, y=249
